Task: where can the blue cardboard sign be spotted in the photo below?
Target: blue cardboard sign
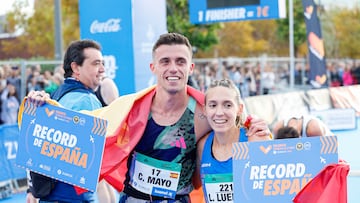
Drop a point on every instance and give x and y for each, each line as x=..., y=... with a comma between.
x=276, y=170
x=63, y=144
x=212, y=11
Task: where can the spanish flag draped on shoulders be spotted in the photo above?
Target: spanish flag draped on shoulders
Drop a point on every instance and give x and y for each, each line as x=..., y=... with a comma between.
x=127, y=117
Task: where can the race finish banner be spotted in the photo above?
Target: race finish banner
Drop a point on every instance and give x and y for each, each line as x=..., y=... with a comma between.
x=213, y=11
x=317, y=75
x=275, y=171
x=62, y=144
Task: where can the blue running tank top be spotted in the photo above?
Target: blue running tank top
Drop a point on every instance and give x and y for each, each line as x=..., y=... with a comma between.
x=174, y=143
x=210, y=165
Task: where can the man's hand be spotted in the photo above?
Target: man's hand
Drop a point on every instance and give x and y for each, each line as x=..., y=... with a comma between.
x=38, y=97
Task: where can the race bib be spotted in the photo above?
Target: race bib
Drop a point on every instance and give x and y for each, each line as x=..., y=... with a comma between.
x=219, y=187
x=155, y=177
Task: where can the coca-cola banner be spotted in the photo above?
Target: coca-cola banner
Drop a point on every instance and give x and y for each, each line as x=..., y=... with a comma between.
x=126, y=31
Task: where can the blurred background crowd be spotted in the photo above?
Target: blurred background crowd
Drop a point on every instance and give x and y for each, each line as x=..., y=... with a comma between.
x=10, y=85
x=252, y=79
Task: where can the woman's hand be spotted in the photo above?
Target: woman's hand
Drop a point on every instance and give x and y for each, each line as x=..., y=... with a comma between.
x=257, y=129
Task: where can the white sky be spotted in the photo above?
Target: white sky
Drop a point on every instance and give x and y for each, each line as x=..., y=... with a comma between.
x=340, y=3
x=350, y=3
x=6, y=5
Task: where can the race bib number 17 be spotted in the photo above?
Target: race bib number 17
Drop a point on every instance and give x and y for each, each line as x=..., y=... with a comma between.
x=155, y=177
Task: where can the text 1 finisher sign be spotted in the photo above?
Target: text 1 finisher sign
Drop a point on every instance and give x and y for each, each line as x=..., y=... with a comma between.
x=213, y=11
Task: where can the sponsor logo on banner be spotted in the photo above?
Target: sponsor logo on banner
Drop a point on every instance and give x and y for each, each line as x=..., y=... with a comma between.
x=110, y=66
x=111, y=25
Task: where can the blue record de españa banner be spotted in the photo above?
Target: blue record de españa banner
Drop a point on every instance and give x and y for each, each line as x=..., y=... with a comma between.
x=275, y=171
x=212, y=11
x=62, y=144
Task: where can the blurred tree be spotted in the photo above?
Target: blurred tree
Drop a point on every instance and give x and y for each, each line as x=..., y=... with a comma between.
x=347, y=28
x=331, y=44
x=238, y=39
x=277, y=46
x=202, y=37
x=265, y=30
x=299, y=28
x=247, y=39
x=70, y=20
x=16, y=21
x=38, y=30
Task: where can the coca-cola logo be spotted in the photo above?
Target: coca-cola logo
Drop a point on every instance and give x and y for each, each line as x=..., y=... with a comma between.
x=111, y=25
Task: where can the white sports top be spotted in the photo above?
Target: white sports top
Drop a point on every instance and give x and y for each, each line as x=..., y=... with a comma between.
x=306, y=119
